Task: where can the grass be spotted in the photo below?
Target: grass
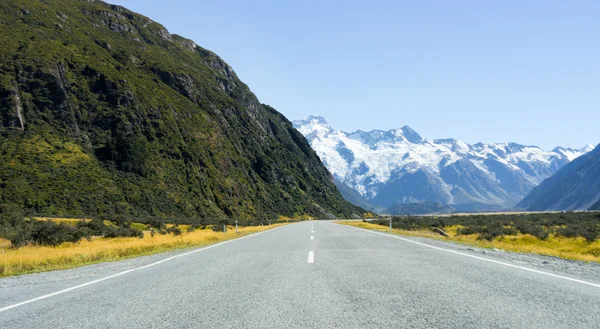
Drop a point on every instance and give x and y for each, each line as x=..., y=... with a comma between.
x=31, y=259
x=569, y=248
x=71, y=221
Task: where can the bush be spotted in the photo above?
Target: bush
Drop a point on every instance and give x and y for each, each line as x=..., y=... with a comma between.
x=123, y=232
x=469, y=230
x=20, y=236
x=532, y=229
x=491, y=231
x=175, y=230
x=49, y=233
x=156, y=223
x=590, y=232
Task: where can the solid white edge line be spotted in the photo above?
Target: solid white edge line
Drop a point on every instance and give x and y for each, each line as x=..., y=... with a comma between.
x=6, y=308
x=481, y=258
x=311, y=257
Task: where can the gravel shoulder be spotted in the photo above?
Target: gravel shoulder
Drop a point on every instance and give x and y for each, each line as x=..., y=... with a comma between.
x=589, y=271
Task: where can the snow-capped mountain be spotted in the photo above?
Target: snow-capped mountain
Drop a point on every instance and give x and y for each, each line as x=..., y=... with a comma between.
x=399, y=166
x=576, y=186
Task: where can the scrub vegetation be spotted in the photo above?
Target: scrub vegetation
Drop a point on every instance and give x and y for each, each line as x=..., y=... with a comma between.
x=573, y=235
x=37, y=256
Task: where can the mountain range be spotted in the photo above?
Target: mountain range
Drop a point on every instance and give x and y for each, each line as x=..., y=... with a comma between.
x=399, y=166
x=576, y=186
x=103, y=111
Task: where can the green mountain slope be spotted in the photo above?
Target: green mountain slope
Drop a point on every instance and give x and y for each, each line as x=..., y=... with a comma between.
x=103, y=111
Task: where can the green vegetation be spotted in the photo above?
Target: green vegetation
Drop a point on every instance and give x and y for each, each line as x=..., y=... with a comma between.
x=567, y=235
x=38, y=258
x=50, y=232
x=489, y=227
x=104, y=113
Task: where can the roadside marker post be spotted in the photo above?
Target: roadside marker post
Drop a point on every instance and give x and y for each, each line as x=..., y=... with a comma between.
x=236, y=227
x=390, y=224
x=224, y=229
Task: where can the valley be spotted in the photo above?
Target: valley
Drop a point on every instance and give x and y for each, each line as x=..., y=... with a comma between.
x=145, y=184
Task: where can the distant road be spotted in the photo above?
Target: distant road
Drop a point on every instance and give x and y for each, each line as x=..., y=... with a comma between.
x=306, y=275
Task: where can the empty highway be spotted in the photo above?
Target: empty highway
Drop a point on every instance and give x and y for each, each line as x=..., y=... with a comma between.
x=306, y=275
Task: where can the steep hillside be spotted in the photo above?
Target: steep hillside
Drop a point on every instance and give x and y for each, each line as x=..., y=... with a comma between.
x=575, y=187
x=104, y=111
x=400, y=167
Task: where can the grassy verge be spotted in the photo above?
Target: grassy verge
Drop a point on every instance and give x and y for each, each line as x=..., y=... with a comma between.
x=571, y=248
x=30, y=259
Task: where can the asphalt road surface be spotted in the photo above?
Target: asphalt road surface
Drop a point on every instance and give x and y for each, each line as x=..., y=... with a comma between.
x=305, y=275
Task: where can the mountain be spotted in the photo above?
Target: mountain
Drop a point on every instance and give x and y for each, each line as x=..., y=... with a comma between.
x=574, y=187
x=103, y=111
x=399, y=166
x=353, y=196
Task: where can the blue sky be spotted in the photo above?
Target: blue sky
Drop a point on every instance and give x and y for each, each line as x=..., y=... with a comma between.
x=489, y=71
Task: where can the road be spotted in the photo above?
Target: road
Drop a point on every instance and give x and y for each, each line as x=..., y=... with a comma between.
x=305, y=275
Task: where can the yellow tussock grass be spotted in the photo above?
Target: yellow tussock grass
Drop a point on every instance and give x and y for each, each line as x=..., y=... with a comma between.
x=30, y=259
x=570, y=248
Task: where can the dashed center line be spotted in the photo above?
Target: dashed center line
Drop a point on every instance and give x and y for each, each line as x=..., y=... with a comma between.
x=311, y=257
x=312, y=237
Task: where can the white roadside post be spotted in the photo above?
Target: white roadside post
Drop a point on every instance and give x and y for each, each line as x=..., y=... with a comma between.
x=224, y=229
x=236, y=227
x=390, y=224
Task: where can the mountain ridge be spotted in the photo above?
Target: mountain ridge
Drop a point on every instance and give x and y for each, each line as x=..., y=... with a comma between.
x=399, y=166
x=576, y=186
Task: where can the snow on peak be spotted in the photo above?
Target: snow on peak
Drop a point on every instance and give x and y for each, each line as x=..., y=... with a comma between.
x=587, y=148
x=367, y=161
x=312, y=127
x=571, y=153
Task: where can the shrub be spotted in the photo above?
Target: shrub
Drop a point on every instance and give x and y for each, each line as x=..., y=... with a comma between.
x=48, y=233
x=125, y=232
x=532, y=229
x=19, y=236
x=469, y=230
x=589, y=232
x=490, y=232
x=175, y=230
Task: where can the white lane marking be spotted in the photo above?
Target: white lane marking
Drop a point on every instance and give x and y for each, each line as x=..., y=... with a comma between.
x=484, y=259
x=312, y=237
x=311, y=257
x=129, y=271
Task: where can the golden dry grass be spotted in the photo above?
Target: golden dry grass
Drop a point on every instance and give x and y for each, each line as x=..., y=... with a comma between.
x=71, y=221
x=570, y=248
x=31, y=259
x=294, y=218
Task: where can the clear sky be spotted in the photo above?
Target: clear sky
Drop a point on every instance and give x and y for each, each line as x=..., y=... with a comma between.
x=490, y=71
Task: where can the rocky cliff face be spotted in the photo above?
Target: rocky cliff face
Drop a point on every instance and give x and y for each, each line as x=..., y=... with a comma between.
x=400, y=167
x=103, y=110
